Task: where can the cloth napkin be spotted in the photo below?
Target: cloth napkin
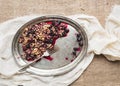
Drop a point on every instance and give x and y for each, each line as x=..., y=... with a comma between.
x=101, y=41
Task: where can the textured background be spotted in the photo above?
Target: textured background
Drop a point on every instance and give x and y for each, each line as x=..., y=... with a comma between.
x=101, y=72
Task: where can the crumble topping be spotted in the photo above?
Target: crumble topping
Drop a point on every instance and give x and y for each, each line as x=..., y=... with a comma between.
x=38, y=38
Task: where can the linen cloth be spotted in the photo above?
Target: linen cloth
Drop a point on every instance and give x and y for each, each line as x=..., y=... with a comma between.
x=101, y=41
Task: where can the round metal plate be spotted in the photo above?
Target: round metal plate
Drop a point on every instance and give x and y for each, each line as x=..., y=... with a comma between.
x=44, y=70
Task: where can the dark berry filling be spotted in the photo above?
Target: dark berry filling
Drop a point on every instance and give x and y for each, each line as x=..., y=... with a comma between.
x=66, y=58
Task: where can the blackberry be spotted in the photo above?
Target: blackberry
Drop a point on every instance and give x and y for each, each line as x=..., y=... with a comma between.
x=28, y=45
x=75, y=49
x=51, y=34
x=53, y=23
x=78, y=35
x=56, y=23
x=79, y=39
x=74, y=53
x=29, y=58
x=63, y=34
x=81, y=43
x=66, y=30
x=50, y=41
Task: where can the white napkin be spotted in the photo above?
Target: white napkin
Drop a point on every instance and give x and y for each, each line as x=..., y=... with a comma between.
x=112, y=50
x=101, y=41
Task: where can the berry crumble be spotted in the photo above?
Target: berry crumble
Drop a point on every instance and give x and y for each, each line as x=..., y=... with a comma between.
x=38, y=38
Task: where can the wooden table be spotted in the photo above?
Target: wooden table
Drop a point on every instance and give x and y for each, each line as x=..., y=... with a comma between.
x=101, y=72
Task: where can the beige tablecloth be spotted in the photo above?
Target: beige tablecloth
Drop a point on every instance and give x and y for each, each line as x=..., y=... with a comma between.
x=101, y=41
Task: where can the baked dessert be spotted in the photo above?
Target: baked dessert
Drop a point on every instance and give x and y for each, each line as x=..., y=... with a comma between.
x=38, y=38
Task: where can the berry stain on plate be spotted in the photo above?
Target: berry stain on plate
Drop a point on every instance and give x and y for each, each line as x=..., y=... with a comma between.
x=66, y=58
x=48, y=58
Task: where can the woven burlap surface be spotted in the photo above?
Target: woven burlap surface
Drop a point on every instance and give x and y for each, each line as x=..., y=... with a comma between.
x=101, y=72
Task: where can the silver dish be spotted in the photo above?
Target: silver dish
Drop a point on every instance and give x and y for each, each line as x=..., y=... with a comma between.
x=61, y=68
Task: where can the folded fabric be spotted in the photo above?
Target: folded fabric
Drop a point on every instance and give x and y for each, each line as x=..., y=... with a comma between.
x=112, y=27
x=10, y=67
x=101, y=41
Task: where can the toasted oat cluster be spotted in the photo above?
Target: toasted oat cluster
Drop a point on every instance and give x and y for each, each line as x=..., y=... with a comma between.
x=38, y=38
